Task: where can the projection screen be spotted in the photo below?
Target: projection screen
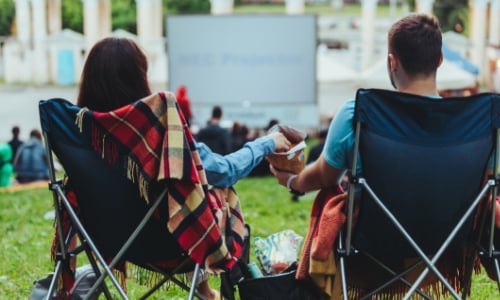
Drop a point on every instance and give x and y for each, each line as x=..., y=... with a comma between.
x=265, y=64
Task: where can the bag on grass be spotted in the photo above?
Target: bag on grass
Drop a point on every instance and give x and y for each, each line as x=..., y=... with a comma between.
x=85, y=278
x=282, y=286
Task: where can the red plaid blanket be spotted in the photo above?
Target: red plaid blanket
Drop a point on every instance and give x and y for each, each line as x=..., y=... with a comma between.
x=159, y=147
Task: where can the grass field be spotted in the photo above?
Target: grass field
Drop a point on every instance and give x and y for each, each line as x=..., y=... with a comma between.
x=26, y=235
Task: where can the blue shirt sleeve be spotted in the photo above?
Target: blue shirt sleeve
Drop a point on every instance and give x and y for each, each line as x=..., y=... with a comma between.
x=339, y=144
x=226, y=170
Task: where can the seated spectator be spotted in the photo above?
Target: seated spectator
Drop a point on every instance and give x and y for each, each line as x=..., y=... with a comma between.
x=239, y=135
x=15, y=142
x=318, y=148
x=213, y=135
x=30, y=162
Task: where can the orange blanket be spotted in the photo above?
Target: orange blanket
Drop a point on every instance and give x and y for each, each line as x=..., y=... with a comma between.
x=317, y=262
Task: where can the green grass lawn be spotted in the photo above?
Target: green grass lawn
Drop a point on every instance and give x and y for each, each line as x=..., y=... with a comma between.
x=25, y=235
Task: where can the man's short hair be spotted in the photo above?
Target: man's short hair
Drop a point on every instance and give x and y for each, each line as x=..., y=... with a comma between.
x=216, y=112
x=416, y=42
x=16, y=130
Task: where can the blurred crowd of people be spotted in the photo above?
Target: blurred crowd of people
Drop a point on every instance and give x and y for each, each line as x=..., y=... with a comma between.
x=23, y=161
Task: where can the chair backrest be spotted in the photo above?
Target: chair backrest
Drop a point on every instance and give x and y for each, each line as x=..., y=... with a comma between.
x=110, y=204
x=425, y=159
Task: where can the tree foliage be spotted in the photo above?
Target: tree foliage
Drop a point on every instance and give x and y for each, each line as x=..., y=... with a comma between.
x=7, y=14
x=188, y=6
x=452, y=14
x=124, y=16
x=72, y=15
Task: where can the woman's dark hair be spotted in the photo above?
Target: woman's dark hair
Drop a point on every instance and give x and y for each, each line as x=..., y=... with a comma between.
x=114, y=75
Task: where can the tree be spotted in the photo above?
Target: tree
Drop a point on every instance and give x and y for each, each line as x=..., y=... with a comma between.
x=452, y=14
x=7, y=14
x=123, y=15
x=72, y=15
x=188, y=6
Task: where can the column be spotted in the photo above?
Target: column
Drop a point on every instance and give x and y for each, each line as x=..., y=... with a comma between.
x=96, y=20
x=104, y=18
x=425, y=6
x=54, y=16
x=494, y=26
x=150, y=34
x=149, y=20
x=221, y=7
x=294, y=7
x=337, y=4
x=23, y=21
x=478, y=35
x=90, y=22
x=368, y=17
x=393, y=5
x=40, y=51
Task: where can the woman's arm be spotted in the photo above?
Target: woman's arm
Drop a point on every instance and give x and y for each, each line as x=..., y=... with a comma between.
x=226, y=170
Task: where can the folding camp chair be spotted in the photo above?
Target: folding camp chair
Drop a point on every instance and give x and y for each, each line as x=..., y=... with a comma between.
x=413, y=213
x=112, y=221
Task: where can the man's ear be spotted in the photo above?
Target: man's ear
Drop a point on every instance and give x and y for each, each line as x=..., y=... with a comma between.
x=392, y=63
x=441, y=58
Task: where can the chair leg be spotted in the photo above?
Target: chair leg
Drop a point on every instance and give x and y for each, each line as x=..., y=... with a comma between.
x=343, y=278
x=194, y=281
x=497, y=271
x=53, y=282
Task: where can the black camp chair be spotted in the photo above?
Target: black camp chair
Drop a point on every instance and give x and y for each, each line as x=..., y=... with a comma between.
x=411, y=226
x=111, y=222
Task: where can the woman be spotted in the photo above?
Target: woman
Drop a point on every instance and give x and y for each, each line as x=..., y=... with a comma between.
x=115, y=74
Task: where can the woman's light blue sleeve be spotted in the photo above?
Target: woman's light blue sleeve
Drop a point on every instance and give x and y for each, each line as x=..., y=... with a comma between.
x=225, y=171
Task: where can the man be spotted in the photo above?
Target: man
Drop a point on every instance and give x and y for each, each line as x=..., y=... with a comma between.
x=213, y=135
x=15, y=142
x=414, y=54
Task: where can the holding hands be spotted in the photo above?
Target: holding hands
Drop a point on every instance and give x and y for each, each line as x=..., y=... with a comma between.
x=281, y=143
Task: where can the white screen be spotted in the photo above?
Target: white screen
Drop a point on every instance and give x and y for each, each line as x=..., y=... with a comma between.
x=243, y=60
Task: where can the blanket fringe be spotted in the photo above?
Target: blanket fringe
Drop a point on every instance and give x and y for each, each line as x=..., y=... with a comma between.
x=79, y=118
x=135, y=175
x=121, y=276
x=150, y=278
x=435, y=290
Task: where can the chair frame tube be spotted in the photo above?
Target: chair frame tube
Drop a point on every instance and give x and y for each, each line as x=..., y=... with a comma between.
x=352, y=188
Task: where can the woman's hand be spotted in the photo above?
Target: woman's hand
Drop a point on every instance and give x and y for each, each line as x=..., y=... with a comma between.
x=281, y=143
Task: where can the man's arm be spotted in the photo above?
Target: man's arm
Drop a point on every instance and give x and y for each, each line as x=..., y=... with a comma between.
x=318, y=174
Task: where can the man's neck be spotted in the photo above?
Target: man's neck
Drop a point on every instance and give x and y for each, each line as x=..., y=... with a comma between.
x=420, y=86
